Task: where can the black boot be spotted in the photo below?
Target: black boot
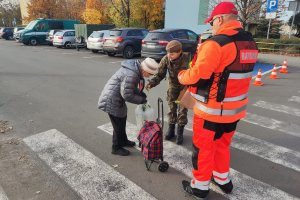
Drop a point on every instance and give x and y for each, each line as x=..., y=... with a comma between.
x=120, y=151
x=179, y=138
x=227, y=188
x=194, y=191
x=170, y=132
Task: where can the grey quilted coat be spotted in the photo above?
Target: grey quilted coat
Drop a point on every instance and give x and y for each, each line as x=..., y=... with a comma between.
x=122, y=87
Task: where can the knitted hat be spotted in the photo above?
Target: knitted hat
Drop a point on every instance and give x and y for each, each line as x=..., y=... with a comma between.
x=174, y=46
x=150, y=65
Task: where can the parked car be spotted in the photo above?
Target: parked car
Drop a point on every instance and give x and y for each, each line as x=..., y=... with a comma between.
x=50, y=37
x=36, y=31
x=96, y=39
x=125, y=41
x=16, y=29
x=64, y=38
x=154, y=44
x=205, y=35
x=6, y=33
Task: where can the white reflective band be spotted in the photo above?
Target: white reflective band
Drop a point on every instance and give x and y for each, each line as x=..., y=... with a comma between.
x=237, y=98
x=240, y=75
x=198, y=97
x=221, y=175
x=202, y=185
x=213, y=111
x=222, y=182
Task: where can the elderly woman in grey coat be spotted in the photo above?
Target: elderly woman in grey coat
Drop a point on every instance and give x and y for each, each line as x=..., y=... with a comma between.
x=125, y=85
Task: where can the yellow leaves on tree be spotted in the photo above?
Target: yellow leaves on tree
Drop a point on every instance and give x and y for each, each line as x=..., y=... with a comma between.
x=42, y=9
x=94, y=12
x=149, y=12
x=92, y=16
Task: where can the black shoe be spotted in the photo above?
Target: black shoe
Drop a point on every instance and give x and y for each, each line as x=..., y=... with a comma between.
x=129, y=143
x=179, y=138
x=120, y=151
x=194, y=191
x=227, y=188
x=170, y=132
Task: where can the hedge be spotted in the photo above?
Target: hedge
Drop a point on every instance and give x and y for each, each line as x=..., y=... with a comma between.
x=286, y=46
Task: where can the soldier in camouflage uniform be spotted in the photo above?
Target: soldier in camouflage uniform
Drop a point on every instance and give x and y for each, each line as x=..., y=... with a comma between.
x=173, y=63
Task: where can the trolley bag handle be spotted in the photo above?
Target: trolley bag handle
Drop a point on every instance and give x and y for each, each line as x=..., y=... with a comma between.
x=160, y=107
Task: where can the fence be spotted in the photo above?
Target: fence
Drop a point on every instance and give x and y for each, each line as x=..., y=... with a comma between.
x=284, y=47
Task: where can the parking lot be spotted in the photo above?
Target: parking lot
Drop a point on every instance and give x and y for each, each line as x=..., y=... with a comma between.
x=60, y=144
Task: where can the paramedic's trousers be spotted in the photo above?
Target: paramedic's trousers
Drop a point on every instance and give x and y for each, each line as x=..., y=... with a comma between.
x=211, y=152
x=119, y=134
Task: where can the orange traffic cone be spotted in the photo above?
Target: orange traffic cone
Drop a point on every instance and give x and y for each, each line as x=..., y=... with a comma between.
x=274, y=73
x=258, y=81
x=284, y=68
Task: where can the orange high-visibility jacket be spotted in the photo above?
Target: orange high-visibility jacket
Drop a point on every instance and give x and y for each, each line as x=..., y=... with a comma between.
x=220, y=77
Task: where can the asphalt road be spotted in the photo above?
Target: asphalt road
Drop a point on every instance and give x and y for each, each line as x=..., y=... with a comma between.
x=60, y=144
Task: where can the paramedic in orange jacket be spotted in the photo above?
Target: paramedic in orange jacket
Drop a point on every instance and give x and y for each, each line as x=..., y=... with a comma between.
x=219, y=79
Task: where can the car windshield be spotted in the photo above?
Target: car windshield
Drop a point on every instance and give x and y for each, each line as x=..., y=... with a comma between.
x=31, y=25
x=60, y=33
x=115, y=33
x=97, y=34
x=156, y=36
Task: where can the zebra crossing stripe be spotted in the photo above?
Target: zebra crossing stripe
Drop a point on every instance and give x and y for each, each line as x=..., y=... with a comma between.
x=266, y=150
x=86, y=174
x=246, y=187
x=288, y=128
x=2, y=194
x=295, y=99
x=278, y=108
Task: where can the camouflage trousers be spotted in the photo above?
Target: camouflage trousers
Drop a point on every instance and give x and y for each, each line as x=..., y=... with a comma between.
x=176, y=114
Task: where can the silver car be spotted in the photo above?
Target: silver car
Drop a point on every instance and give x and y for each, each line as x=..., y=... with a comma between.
x=96, y=39
x=64, y=38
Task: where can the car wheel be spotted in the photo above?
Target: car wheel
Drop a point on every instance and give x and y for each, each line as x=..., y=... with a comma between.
x=10, y=37
x=111, y=54
x=67, y=45
x=95, y=51
x=33, y=41
x=128, y=52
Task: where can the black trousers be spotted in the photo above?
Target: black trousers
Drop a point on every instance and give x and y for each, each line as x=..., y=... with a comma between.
x=119, y=138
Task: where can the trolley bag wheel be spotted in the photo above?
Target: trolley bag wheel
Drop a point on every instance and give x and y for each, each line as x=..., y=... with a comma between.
x=163, y=166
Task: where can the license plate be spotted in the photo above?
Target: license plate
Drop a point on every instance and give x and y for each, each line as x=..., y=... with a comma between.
x=150, y=46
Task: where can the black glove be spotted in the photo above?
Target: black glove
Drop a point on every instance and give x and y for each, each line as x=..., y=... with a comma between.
x=144, y=95
x=144, y=101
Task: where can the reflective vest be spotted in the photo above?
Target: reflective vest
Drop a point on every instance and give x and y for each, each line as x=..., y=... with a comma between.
x=224, y=97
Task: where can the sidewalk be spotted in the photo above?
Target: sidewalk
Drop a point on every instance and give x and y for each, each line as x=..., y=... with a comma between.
x=278, y=59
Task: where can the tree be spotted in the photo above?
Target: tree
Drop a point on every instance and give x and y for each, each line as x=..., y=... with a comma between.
x=8, y=13
x=94, y=12
x=149, y=13
x=42, y=9
x=120, y=12
x=296, y=23
x=262, y=28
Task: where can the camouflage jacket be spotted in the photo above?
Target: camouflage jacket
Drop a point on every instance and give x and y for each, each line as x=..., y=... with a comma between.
x=173, y=68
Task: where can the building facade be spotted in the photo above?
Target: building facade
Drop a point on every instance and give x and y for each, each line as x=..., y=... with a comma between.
x=189, y=14
x=24, y=12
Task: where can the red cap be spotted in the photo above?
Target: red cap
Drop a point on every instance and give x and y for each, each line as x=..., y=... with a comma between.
x=222, y=8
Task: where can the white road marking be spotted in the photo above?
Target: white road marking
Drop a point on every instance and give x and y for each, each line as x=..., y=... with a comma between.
x=88, y=175
x=295, y=99
x=246, y=188
x=284, y=127
x=88, y=57
x=266, y=72
x=276, y=154
x=116, y=62
x=3, y=196
x=278, y=108
x=69, y=53
x=266, y=150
